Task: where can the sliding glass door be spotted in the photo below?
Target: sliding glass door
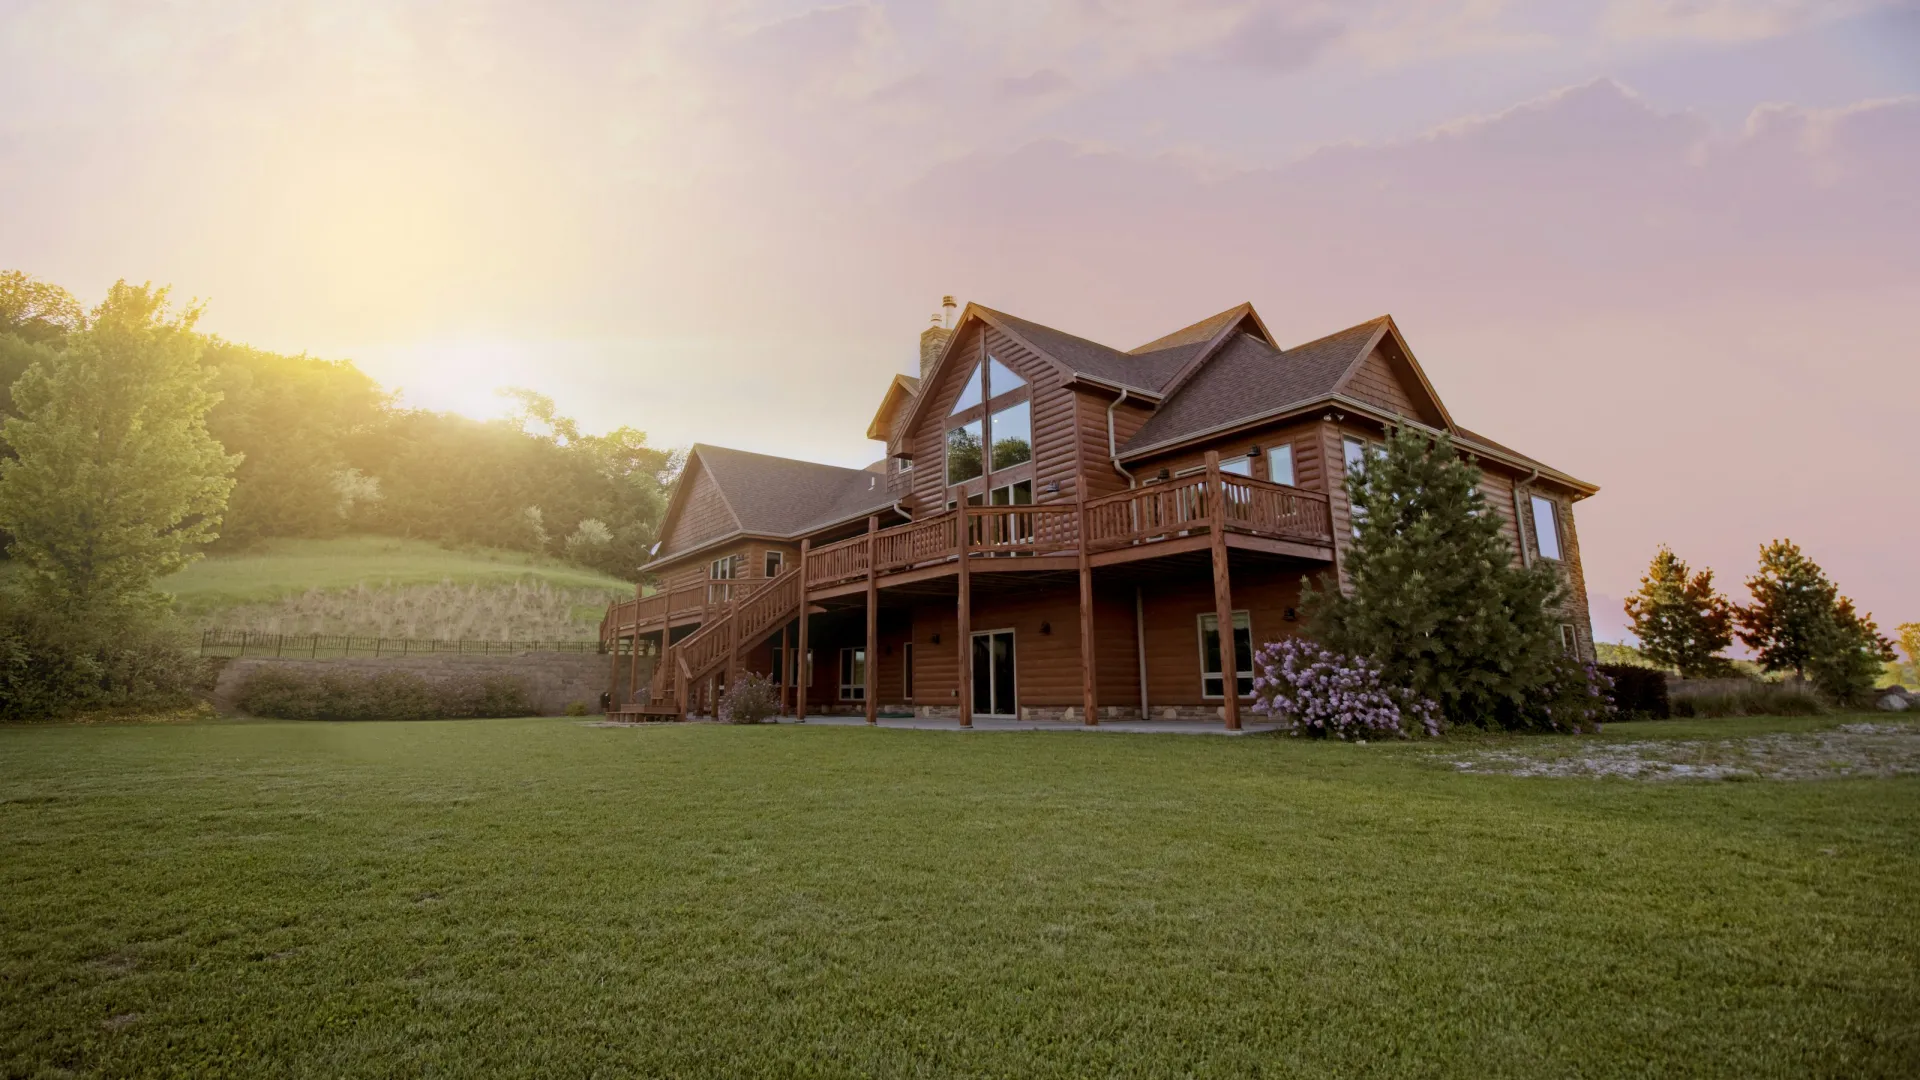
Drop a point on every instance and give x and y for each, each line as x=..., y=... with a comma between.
x=993, y=674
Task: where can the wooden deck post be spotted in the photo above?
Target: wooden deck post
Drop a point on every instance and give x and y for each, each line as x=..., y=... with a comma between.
x=786, y=667
x=800, y=660
x=872, y=690
x=613, y=672
x=1088, y=688
x=633, y=665
x=1222, y=591
x=964, y=612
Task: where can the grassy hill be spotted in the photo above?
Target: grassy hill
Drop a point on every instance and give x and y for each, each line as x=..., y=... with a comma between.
x=380, y=585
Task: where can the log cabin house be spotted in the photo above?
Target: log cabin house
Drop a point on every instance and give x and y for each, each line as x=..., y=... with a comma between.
x=1058, y=530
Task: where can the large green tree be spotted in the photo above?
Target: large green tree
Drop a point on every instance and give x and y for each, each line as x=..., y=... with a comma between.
x=1680, y=619
x=1436, y=595
x=37, y=311
x=116, y=480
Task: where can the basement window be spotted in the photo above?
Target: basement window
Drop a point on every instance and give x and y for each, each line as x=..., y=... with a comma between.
x=1211, y=683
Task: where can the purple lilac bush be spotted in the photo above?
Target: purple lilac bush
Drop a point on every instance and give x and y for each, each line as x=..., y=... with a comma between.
x=1318, y=692
x=1579, y=697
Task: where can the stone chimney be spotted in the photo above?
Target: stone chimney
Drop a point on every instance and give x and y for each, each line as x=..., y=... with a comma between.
x=934, y=338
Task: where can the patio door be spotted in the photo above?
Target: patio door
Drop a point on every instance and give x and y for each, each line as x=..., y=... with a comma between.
x=993, y=673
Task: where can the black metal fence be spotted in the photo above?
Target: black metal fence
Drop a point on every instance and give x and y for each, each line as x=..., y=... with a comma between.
x=251, y=643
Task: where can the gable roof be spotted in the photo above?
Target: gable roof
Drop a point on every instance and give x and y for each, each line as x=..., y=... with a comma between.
x=1248, y=378
x=902, y=386
x=776, y=496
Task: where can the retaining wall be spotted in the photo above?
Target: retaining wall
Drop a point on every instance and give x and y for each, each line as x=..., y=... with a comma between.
x=553, y=680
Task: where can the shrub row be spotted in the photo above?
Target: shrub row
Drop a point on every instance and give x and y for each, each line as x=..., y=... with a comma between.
x=1639, y=692
x=50, y=670
x=294, y=694
x=1761, y=699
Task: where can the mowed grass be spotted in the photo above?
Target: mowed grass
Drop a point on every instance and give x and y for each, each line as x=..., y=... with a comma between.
x=542, y=898
x=281, y=568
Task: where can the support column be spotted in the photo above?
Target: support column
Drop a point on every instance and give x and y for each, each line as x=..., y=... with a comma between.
x=964, y=611
x=1140, y=645
x=1222, y=591
x=613, y=672
x=633, y=666
x=800, y=659
x=872, y=690
x=786, y=667
x=1088, y=674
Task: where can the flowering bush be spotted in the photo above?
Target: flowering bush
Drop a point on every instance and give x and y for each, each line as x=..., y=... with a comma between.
x=751, y=699
x=1318, y=692
x=1577, y=698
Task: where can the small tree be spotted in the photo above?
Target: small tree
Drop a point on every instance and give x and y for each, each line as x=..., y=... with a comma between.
x=1792, y=602
x=1681, y=621
x=1799, y=622
x=117, y=480
x=1437, y=598
x=1849, y=654
x=1910, y=644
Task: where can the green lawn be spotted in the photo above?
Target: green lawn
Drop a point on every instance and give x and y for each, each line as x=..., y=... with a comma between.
x=286, y=567
x=541, y=898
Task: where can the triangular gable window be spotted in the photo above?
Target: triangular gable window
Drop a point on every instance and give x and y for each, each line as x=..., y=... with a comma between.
x=1003, y=380
x=973, y=393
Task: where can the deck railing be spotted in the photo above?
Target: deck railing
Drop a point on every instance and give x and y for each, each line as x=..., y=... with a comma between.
x=1180, y=507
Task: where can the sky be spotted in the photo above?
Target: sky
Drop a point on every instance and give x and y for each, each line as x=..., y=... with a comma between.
x=1669, y=246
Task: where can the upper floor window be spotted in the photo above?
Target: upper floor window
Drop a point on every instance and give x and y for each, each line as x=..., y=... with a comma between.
x=963, y=453
x=974, y=392
x=1356, y=452
x=720, y=572
x=1012, y=430
x=1546, y=528
x=1001, y=380
x=1240, y=466
x=1280, y=464
x=774, y=560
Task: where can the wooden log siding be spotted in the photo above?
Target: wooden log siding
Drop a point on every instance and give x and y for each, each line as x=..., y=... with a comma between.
x=703, y=516
x=1102, y=477
x=1376, y=384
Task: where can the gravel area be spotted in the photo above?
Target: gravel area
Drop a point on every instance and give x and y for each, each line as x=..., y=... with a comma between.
x=1865, y=749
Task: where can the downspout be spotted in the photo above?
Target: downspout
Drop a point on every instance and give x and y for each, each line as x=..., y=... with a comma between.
x=1113, y=452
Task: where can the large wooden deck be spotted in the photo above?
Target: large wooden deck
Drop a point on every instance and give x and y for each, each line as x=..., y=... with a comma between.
x=1142, y=523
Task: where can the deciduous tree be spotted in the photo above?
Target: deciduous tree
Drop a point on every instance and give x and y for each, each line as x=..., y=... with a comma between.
x=116, y=480
x=1681, y=621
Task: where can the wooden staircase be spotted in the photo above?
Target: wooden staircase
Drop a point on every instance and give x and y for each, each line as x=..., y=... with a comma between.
x=747, y=623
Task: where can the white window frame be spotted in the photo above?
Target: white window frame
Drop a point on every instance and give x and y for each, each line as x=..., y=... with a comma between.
x=1200, y=639
x=1534, y=503
x=1282, y=451
x=857, y=690
x=1569, y=639
x=721, y=576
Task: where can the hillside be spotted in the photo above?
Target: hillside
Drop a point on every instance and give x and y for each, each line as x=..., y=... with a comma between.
x=390, y=587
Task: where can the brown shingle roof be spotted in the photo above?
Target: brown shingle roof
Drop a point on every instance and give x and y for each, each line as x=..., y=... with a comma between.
x=1149, y=371
x=777, y=496
x=1249, y=378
